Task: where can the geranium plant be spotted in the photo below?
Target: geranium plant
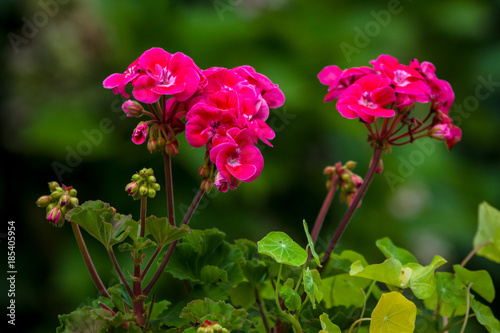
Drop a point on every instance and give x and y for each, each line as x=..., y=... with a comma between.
x=273, y=284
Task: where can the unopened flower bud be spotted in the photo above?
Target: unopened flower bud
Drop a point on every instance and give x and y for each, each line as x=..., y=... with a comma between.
x=346, y=176
x=54, y=215
x=136, y=177
x=53, y=185
x=149, y=172
x=329, y=171
x=204, y=171
x=152, y=145
x=73, y=202
x=156, y=187
x=43, y=201
x=160, y=142
x=72, y=192
x=151, y=193
x=217, y=327
x=143, y=190
x=56, y=195
x=350, y=165
x=151, y=179
x=207, y=185
x=65, y=198
x=132, y=188
x=172, y=148
x=132, y=108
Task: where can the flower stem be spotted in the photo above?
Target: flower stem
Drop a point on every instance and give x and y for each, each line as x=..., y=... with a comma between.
x=88, y=261
x=172, y=246
x=324, y=208
x=137, y=280
x=151, y=261
x=262, y=311
x=377, y=153
x=169, y=187
x=120, y=273
x=473, y=252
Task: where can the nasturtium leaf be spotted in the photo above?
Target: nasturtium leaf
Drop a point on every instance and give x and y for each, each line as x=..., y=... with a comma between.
x=387, y=247
x=327, y=325
x=485, y=316
x=488, y=231
x=481, y=281
x=225, y=314
x=82, y=317
x=101, y=221
x=422, y=281
x=163, y=232
x=313, y=286
x=310, y=244
x=390, y=272
x=290, y=296
x=282, y=248
x=344, y=290
x=450, y=294
x=393, y=314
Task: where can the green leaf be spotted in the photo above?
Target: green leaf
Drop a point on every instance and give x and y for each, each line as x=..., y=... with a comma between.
x=163, y=232
x=225, y=314
x=310, y=244
x=211, y=274
x=80, y=321
x=313, y=286
x=242, y=295
x=488, y=231
x=327, y=325
x=344, y=290
x=393, y=313
x=141, y=243
x=119, y=296
x=205, y=248
x=392, y=251
x=283, y=249
x=390, y=272
x=255, y=271
x=450, y=294
x=290, y=296
x=485, y=316
x=422, y=281
x=159, y=309
x=481, y=281
x=101, y=221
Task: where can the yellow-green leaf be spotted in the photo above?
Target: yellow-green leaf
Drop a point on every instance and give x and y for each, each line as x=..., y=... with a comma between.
x=393, y=314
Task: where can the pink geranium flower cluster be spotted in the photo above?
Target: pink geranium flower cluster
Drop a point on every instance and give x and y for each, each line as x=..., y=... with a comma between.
x=389, y=90
x=223, y=109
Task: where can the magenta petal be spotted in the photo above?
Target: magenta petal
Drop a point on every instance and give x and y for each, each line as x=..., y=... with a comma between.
x=179, y=62
x=251, y=155
x=143, y=90
x=242, y=171
x=113, y=80
x=196, y=134
x=377, y=112
x=152, y=57
x=274, y=98
x=330, y=75
x=191, y=79
x=343, y=106
x=384, y=96
x=169, y=89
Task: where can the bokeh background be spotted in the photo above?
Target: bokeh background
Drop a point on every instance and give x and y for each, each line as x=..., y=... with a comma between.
x=56, y=54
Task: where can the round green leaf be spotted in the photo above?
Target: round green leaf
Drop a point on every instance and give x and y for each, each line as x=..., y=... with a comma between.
x=393, y=314
x=283, y=249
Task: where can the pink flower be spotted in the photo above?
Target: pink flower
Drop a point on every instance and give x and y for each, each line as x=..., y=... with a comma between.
x=224, y=185
x=339, y=80
x=366, y=98
x=166, y=74
x=405, y=79
x=140, y=133
x=118, y=81
x=237, y=157
x=270, y=92
x=211, y=118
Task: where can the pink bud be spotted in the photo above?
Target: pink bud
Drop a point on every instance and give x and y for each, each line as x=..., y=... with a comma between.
x=54, y=216
x=140, y=133
x=132, y=108
x=441, y=132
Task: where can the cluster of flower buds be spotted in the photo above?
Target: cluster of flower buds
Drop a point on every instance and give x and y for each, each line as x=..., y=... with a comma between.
x=348, y=182
x=211, y=327
x=58, y=203
x=143, y=184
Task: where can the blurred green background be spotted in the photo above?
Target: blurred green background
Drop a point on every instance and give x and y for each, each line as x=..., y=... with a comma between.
x=57, y=53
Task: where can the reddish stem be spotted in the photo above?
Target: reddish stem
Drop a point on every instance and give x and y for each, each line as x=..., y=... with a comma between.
x=324, y=208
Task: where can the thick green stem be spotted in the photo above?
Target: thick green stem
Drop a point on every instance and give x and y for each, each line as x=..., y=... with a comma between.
x=169, y=187
x=88, y=261
x=172, y=246
x=352, y=208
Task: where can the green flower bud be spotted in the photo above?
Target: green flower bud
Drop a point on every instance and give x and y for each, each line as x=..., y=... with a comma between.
x=150, y=172
x=73, y=202
x=43, y=201
x=136, y=177
x=151, y=193
x=143, y=190
x=59, y=189
x=56, y=195
x=64, y=199
x=53, y=185
x=156, y=187
x=350, y=165
x=72, y=192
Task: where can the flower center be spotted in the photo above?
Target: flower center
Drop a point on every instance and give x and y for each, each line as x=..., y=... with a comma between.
x=401, y=77
x=367, y=100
